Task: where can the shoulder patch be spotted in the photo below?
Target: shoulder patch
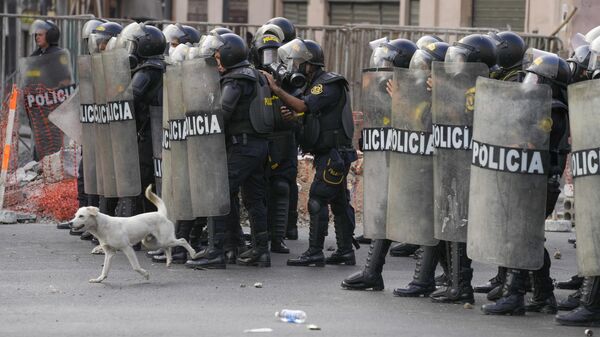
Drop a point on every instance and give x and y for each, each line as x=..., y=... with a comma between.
x=317, y=89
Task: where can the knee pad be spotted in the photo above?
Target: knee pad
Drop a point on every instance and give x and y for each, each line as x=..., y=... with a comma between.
x=314, y=206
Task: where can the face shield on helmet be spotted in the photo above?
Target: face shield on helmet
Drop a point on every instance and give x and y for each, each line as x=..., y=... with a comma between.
x=89, y=27
x=268, y=56
x=383, y=57
x=209, y=45
x=421, y=60
x=128, y=38
x=532, y=78
x=457, y=53
x=293, y=54
x=97, y=42
x=541, y=62
x=174, y=34
x=269, y=29
x=37, y=29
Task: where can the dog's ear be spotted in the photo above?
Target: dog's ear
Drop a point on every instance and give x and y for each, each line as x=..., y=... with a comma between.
x=93, y=210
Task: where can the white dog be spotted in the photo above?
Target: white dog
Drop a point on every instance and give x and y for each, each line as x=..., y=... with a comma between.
x=117, y=233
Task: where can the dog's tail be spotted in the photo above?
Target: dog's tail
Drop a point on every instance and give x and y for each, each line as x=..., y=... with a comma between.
x=156, y=200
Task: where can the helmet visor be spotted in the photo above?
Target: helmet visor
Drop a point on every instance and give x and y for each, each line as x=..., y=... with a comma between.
x=89, y=27
x=173, y=33
x=594, y=63
x=532, y=78
x=209, y=45
x=376, y=43
x=456, y=54
x=294, y=53
x=421, y=60
x=39, y=27
x=383, y=57
x=98, y=42
x=269, y=29
x=268, y=56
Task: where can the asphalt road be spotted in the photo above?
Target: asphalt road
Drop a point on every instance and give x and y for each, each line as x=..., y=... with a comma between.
x=44, y=292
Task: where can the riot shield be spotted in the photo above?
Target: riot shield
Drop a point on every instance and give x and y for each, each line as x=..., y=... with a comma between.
x=376, y=106
x=87, y=118
x=180, y=175
x=584, y=117
x=166, y=190
x=104, y=154
x=46, y=82
x=66, y=117
x=509, y=174
x=156, y=117
x=207, y=155
x=453, y=96
x=410, y=186
x=123, y=131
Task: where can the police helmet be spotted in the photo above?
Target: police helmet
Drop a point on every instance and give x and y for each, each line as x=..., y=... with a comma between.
x=473, y=48
x=426, y=40
x=594, y=61
x=579, y=62
x=424, y=57
x=592, y=34
x=89, y=27
x=220, y=31
x=548, y=68
x=234, y=52
x=288, y=28
x=264, y=49
x=297, y=52
x=142, y=40
x=102, y=34
x=48, y=27
x=510, y=48
x=178, y=33
x=395, y=53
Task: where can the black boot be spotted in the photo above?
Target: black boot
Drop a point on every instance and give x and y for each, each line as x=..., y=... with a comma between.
x=126, y=207
x=212, y=257
x=198, y=234
x=460, y=289
x=259, y=254
x=313, y=256
x=496, y=293
x=573, y=300
x=423, y=283
x=403, y=249
x=573, y=284
x=370, y=277
x=343, y=236
x=178, y=254
x=442, y=280
x=512, y=301
x=494, y=282
x=291, y=232
x=543, y=299
x=588, y=313
x=362, y=239
x=277, y=216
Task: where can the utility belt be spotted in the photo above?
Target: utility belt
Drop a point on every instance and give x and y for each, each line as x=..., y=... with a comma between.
x=243, y=138
x=333, y=139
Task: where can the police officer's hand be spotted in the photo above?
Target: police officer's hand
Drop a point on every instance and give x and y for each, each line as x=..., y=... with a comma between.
x=287, y=114
x=389, y=87
x=272, y=84
x=429, y=83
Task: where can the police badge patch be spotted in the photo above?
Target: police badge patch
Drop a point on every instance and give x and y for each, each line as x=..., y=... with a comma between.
x=317, y=89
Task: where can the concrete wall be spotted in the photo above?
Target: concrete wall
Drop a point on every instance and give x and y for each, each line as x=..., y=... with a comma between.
x=180, y=10
x=445, y=13
x=317, y=13
x=260, y=11
x=215, y=11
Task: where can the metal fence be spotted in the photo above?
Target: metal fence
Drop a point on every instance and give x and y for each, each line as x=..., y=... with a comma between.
x=346, y=47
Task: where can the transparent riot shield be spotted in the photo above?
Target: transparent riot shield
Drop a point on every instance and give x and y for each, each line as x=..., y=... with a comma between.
x=207, y=155
x=66, y=117
x=453, y=98
x=46, y=81
x=376, y=106
x=88, y=128
x=166, y=190
x=509, y=174
x=584, y=118
x=410, y=186
x=180, y=175
x=123, y=131
x=104, y=153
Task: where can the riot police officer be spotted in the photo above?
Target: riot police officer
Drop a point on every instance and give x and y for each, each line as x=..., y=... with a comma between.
x=246, y=154
x=46, y=34
x=146, y=45
x=327, y=134
x=395, y=53
x=481, y=49
x=287, y=27
x=554, y=71
x=585, y=302
x=510, y=49
x=177, y=34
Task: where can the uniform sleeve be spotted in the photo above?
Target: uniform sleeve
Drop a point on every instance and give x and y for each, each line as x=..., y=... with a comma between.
x=230, y=94
x=140, y=83
x=322, y=96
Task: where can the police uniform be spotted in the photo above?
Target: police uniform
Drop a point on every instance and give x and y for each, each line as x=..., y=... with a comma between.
x=327, y=101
